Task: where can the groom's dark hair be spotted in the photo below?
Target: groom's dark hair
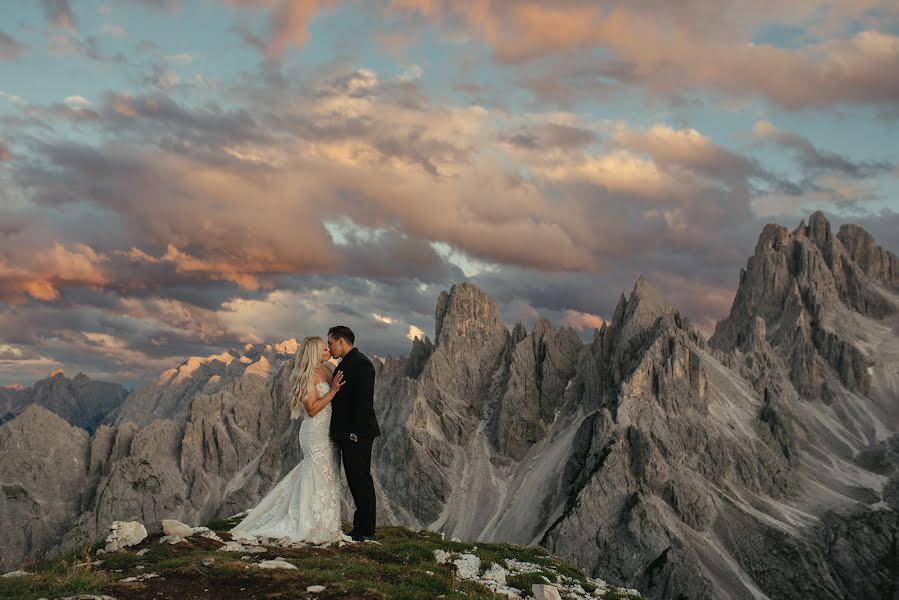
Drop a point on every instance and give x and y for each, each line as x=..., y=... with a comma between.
x=342, y=331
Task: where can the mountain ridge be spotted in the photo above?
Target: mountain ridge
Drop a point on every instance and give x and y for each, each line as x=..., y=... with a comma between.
x=749, y=465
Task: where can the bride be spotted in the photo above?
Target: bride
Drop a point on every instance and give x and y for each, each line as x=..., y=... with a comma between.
x=305, y=505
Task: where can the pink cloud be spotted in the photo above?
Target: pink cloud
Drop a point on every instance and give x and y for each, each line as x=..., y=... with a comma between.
x=45, y=272
x=289, y=21
x=582, y=320
x=676, y=46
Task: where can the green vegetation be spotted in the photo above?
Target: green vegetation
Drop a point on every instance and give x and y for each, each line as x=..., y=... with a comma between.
x=402, y=565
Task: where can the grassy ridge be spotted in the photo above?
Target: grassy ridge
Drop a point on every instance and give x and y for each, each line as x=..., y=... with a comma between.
x=401, y=566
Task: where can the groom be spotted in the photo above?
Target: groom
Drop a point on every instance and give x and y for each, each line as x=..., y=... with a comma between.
x=354, y=426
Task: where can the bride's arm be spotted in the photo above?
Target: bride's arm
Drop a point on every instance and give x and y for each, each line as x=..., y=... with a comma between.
x=314, y=404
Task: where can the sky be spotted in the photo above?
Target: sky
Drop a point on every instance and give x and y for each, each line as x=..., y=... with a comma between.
x=178, y=178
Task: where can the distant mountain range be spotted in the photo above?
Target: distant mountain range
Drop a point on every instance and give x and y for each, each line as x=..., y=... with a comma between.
x=762, y=463
x=81, y=401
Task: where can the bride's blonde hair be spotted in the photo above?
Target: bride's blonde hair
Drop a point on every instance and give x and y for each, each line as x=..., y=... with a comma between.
x=309, y=356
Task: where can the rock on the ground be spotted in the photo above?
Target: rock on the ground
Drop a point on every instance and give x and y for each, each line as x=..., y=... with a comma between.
x=173, y=527
x=315, y=589
x=468, y=566
x=545, y=592
x=124, y=534
x=495, y=573
x=276, y=564
x=206, y=533
x=245, y=539
x=16, y=574
x=233, y=547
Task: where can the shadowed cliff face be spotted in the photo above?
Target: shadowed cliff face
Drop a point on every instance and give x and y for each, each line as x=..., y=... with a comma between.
x=764, y=463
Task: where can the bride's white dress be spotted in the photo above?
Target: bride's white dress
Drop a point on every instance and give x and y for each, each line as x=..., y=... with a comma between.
x=305, y=505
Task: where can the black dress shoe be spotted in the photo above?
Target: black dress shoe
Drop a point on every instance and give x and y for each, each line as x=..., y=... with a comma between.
x=363, y=538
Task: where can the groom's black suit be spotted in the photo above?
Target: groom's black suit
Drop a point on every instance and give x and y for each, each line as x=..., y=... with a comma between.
x=354, y=428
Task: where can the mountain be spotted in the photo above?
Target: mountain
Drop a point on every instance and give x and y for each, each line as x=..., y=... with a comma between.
x=43, y=465
x=81, y=401
x=763, y=463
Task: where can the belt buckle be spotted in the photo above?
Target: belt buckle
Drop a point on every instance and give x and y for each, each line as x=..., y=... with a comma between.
x=354, y=437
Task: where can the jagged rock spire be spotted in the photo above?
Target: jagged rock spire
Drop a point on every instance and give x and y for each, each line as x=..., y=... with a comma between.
x=797, y=283
x=640, y=311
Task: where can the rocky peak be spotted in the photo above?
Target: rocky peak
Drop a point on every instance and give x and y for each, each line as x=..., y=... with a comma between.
x=466, y=312
x=775, y=237
x=418, y=356
x=81, y=401
x=518, y=333
x=542, y=327
x=644, y=306
x=799, y=286
x=818, y=229
x=38, y=415
x=876, y=262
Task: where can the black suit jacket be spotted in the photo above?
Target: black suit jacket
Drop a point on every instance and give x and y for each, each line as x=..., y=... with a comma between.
x=353, y=408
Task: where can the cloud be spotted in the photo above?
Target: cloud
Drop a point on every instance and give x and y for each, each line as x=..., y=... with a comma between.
x=551, y=136
x=288, y=22
x=161, y=5
x=76, y=101
x=49, y=270
x=686, y=148
x=543, y=191
x=674, y=47
x=10, y=47
x=415, y=332
x=337, y=195
x=581, y=321
x=812, y=159
x=184, y=58
x=59, y=13
x=382, y=319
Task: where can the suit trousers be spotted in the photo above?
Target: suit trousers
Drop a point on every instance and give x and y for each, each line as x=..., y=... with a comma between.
x=356, y=458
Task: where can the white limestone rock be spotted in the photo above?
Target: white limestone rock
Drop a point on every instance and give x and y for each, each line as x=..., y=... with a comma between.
x=124, y=534
x=495, y=573
x=245, y=538
x=172, y=527
x=233, y=547
x=276, y=564
x=545, y=592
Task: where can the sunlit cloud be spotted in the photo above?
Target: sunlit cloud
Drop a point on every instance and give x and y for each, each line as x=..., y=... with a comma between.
x=182, y=200
x=581, y=321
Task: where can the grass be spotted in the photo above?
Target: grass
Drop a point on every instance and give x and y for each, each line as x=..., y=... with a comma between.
x=402, y=566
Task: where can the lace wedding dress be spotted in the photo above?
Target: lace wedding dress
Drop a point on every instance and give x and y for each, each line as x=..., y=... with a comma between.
x=305, y=505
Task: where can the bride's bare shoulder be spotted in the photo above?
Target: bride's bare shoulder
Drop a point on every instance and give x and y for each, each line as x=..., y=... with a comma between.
x=324, y=372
